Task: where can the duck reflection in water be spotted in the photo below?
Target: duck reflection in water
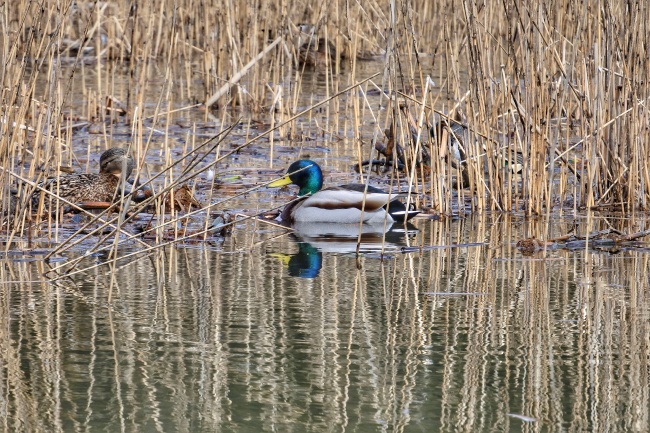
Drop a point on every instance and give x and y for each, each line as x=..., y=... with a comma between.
x=306, y=263
x=315, y=239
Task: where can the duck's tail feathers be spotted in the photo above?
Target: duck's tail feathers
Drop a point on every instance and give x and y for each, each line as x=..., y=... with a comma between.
x=398, y=211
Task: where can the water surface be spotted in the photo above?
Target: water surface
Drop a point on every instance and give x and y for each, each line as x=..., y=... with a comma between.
x=260, y=334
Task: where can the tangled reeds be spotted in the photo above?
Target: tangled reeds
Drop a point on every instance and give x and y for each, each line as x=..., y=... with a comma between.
x=515, y=106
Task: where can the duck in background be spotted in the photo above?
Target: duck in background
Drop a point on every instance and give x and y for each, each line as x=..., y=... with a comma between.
x=314, y=51
x=115, y=167
x=459, y=137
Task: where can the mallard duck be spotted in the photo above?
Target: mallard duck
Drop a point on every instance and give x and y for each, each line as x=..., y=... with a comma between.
x=458, y=140
x=345, y=204
x=321, y=53
x=115, y=166
x=313, y=51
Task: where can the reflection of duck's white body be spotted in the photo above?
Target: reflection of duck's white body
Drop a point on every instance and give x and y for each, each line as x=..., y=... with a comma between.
x=345, y=204
x=343, y=238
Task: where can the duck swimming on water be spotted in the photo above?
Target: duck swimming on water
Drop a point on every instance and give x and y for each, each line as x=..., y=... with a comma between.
x=115, y=167
x=344, y=204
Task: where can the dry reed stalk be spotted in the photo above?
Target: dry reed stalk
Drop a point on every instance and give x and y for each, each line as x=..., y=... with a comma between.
x=235, y=79
x=161, y=244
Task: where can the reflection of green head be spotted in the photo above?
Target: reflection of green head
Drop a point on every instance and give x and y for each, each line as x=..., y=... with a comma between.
x=306, y=263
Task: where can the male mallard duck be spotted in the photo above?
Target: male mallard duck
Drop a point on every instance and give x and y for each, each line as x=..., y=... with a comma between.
x=345, y=204
x=115, y=166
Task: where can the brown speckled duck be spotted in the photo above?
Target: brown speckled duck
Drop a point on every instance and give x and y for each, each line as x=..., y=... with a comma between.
x=115, y=167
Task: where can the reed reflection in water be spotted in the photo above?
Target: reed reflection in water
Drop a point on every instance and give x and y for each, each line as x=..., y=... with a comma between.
x=452, y=339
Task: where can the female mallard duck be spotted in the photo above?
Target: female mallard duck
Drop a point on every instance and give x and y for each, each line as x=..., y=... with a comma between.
x=115, y=166
x=460, y=137
x=345, y=204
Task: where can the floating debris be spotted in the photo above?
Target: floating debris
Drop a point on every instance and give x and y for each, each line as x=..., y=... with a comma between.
x=522, y=417
x=609, y=239
x=530, y=245
x=222, y=224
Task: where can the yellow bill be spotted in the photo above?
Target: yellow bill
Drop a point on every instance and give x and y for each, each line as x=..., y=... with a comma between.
x=280, y=182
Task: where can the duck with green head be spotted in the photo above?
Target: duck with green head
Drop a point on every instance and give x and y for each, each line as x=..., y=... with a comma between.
x=344, y=204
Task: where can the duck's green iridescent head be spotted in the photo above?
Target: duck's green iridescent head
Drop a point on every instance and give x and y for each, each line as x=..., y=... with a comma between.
x=304, y=173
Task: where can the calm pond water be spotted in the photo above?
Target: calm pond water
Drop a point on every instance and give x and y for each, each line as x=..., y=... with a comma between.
x=280, y=333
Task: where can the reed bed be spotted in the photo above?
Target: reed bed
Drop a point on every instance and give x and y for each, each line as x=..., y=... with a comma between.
x=560, y=87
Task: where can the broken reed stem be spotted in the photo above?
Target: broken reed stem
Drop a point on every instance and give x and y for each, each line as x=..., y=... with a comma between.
x=235, y=78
